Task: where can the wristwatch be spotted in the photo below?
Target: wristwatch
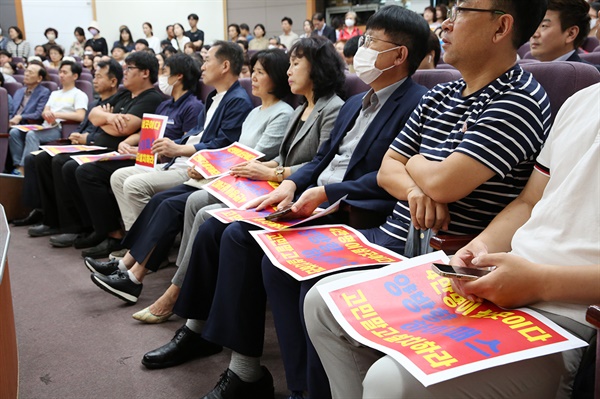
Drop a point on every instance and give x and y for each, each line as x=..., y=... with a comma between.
x=279, y=173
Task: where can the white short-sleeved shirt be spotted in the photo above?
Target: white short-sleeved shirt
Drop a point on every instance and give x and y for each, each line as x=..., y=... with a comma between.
x=564, y=227
x=67, y=101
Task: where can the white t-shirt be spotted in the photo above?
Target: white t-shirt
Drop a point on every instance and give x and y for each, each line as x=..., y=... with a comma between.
x=67, y=101
x=175, y=43
x=564, y=227
x=154, y=44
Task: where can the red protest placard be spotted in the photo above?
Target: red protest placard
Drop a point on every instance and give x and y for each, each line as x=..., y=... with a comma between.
x=412, y=314
x=213, y=163
x=153, y=127
x=53, y=150
x=109, y=156
x=307, y=252
x=235, y=192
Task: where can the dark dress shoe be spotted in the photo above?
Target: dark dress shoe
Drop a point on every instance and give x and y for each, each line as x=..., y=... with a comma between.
x=88, y=240
x=34, y=217
x=185, y=345
x=103, y=249
x=41, y=230
x=230, y=386
x=63, y=240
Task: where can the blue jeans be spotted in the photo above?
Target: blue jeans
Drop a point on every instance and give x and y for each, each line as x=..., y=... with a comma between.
x=21, y=143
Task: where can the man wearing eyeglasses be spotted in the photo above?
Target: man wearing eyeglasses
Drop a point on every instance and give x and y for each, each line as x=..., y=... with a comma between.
x=121, y=117
x=464, y=154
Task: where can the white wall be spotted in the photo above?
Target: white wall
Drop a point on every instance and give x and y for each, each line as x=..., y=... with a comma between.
x=133, y=13
x=65, y=15
x=62, y=15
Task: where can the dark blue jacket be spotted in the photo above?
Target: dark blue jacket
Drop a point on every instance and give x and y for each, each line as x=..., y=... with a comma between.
x=225, y=126
x=360, y=179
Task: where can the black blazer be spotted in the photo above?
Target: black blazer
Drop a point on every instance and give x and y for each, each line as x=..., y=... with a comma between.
x=328, y=32
x=360, y=180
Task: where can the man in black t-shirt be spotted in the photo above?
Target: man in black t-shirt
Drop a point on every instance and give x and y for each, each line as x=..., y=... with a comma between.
x=88, y=185
x=196, y=35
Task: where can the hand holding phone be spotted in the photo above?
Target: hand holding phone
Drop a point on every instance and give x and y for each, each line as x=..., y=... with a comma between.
x=280, y=213
x=459, y=273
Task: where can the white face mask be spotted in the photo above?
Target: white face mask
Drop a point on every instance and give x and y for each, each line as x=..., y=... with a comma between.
x=593, y=23
x=349, y=23
x=272, y=46
x=364, y=64
x=51, y=36
x=164, y=86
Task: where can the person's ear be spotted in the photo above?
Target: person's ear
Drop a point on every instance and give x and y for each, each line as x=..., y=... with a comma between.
x=504, y=27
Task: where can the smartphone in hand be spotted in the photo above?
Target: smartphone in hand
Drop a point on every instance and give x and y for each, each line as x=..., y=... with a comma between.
x=280, y=213
x=459, y=273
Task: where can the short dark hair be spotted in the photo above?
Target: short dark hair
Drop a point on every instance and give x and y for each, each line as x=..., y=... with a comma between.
x=193, y=16
x=526, y=14
x=319, y=16
x=18, y=30
x=75, y=67
x=444, y=9
x=144, y=61
x=243, y=43
x=56, y=48
x=115, y=70
x=170, y=49
x=351, y=46
x=79, y=30
x=231, y=52
x=403, y=27
x=42, y=72
x=244, y=26
x=276, y=63
x=236, y=26
x=51, y=30
x=327, y=69
x=118, y=46
x=185, y=65
x=288, y=19
x=261, y=26
x=7, y=53
x=573, y=13
x=143, y=41
x=433, y=44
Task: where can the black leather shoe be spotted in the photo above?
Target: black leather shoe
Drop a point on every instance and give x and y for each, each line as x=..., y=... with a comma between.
x=231, y=387
x=88, y=240
x=63, y=240
x=41, y=230
x=185, y=345
x=34, y=217
x=103, y=249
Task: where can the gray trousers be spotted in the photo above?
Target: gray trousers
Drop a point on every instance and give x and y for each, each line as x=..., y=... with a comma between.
x=196, y=214
x=356, y=371
x=133, y=187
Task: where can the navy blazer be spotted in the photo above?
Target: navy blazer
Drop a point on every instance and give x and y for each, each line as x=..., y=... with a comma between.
x=576, y=58
x=225, y=126
x=328, y=32
x=35, y=106
x=360, y=179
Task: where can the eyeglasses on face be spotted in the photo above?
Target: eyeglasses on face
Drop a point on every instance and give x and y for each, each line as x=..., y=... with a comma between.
x=129, y=68
x=366, y=40
x=455, y=10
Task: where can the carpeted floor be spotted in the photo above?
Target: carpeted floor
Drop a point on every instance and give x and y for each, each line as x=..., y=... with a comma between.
x=76, y=341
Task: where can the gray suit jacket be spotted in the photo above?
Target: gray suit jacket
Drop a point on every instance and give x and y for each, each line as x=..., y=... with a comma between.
x=314, y=132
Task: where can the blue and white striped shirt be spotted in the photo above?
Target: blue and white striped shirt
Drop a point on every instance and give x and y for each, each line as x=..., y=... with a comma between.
x=503, y=126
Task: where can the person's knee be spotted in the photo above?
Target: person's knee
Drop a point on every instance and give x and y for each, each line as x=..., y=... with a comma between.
x=31, y=137
x=117, y=179
x=384, y=379
x=14, y=134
